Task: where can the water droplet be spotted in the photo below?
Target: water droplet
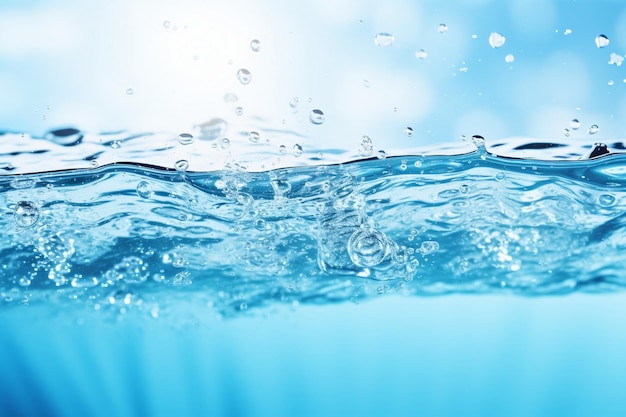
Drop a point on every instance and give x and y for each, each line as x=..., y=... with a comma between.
x=464, y=189
x=130, y=91
x=500, y=176
x=442, y=28
x=255, y=45
x=366, y=147
x=593, y=129
x=602, y=41
x=567, y=32
x=212, y=129
x=408, y=131
x=383, y=39
x=244, y=76
x=230, y=97
x=496, y=40
x=616, y=59
x=509, y=58
x=421, y=54
x=238, y=111
x=316, y=116
x=474, y=36
x=181, y=165
x=297, y=150
x=144, y=189
x=254, y=137
x=566, y=132
x=429, y=246
x=185, y=138
x=26, y=214
x=167, y=24
x=282, y=149
x=293, y=103
x=606, y=200
x=381, y=154
x=225, y=143
x=65, y=137
x=368, y=247
x=478, y=141
x=574, y=124
x=611, y=82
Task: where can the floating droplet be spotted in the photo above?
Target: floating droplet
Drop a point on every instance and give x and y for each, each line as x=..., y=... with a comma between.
x=297, y=150
x=566, y=132
x=496, y=40
x=616, y=59
x=574, y=124
x=282, y=149
x=316, y=116
x=255, y=45
x=254, y=137
x=181, y=165
x=366, y=147
x=244, y=76
x=429, y=246
x=65, y=137
x=383, y=39
x=144, y=189
x=238, y=111
x=602, y=41
x=408, y=131
x=293, y=103
x=167, y=24
x=26, y=214
x=611, y=82
x=225, y=143
x=381, y=154
x=421, y=54
x=567, y=32
x=509, y=58
x=185, y=138
x=593, y=129
x=442, y=28
x=130, y=91
x=478, y=141
x=212, y=129
x=368, y=247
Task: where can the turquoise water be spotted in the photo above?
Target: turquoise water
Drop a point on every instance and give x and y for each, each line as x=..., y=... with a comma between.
x=322, y=209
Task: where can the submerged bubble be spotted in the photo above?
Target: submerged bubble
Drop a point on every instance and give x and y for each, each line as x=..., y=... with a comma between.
x=429, y=246
x=408, y=131
x=509, y=58
x=442, y=28
x=185, y=138
x=574, y=124
x=368, y=247
x=366, y=147
x=254, y=137
x=383, y=39
x=144, y=189
x=181, y=165
x=421, y=54
x=602, y=41
x=316, y=116
x=593, y=129
x=26, y=214
x=255, y=45
x=496, y=40
x=606, y=200
x=244, y=76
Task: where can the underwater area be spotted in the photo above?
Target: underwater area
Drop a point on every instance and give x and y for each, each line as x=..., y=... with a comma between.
x=337, y=208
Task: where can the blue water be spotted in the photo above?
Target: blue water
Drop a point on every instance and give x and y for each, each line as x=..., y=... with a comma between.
x=327, y=208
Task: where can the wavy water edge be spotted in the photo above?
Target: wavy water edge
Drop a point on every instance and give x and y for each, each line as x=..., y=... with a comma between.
x=131, y=236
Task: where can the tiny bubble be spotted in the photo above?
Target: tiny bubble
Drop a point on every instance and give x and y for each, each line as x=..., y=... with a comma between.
x=408, y=131
x=421, y=54
x=254, y=137
x=442, y=28
x=567, y=32
x=244, y=76
x=144, y=189
x=496, y=40
x=225, y=143
x=167, y=24
x=255, y=45
x=239, y=111
x=509, y=58
x=593, y=129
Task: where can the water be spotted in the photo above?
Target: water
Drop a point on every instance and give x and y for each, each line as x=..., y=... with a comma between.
x=330, y=209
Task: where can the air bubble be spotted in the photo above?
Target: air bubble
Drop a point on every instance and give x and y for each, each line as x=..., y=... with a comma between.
x=255, y=45
x=429, y=246
x=366, y=147
x=509, y=58
x=500, y=176
x=602, y=41
x=181, y=165
x=383, y=39
x=185, y=138
x=244, y=76
x=167, y=24
x=368, y=247
x=297, y=150
x=26, y=214
x=317, y=117
x=606, y=200
x=144, y=189
x=496, y=40
x=254, y=137
x=574, y=124
x=593, y=129
x=421, y=54
x=442, y=28
x=408, y=131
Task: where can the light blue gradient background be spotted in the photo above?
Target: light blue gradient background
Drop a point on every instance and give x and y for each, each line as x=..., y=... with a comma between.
x=70, y=63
